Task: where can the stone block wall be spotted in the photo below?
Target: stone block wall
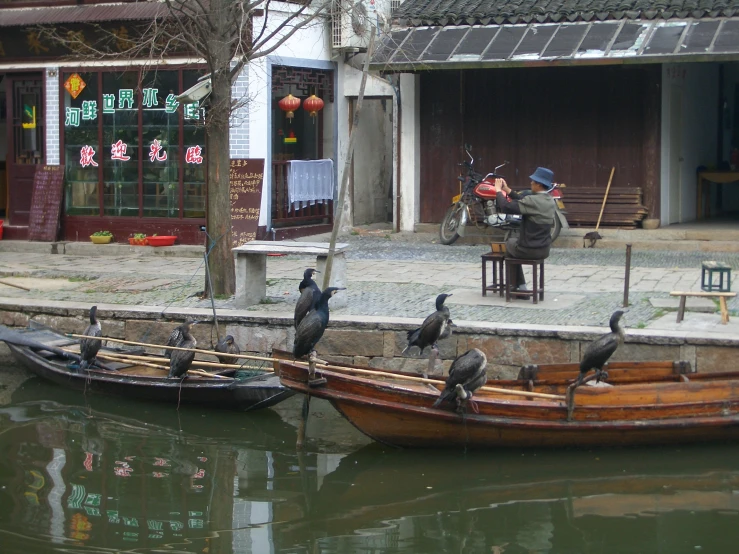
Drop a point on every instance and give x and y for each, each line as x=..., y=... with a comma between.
x=380, y=344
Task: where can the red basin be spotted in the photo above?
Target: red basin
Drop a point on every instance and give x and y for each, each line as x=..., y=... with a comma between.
x=160, y=241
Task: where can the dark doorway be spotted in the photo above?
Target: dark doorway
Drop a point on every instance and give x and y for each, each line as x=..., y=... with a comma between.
x=25, y=143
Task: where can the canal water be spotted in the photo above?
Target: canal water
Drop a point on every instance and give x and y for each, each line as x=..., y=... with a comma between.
x=96, y=474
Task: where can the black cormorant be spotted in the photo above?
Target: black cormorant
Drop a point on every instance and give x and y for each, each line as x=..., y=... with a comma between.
x=466, y=375
x=311, y=328
x=181, y=360
x=310, y=294
x=227, y=345
x=434, y=327
x=177, y=336
x=599, y=351
x=89, y=348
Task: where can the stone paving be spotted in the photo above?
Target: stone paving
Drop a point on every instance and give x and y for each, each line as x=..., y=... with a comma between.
x=388, y=276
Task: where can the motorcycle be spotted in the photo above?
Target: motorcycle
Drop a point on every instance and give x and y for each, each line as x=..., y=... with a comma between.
x=476, y=204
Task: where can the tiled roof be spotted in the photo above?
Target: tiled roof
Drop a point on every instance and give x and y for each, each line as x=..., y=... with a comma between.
x=490, y=12
x=91, y=13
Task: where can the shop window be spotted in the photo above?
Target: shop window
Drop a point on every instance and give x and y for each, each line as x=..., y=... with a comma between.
x=81, y=149
x=134, y=149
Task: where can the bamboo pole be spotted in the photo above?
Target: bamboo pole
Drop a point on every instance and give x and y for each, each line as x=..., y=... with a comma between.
x=165, y=361
x=512, y=392
x=339, y=211
x=12, y=285
x=334, y=368
x=160, y=346
x=122, y=359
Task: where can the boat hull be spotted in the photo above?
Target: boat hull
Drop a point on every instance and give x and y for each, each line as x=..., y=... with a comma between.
x=628, y=415
x=250, y=394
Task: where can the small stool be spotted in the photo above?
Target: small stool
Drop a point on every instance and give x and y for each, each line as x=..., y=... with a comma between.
x=497, y=261
x=537, y=289
x=707, y=271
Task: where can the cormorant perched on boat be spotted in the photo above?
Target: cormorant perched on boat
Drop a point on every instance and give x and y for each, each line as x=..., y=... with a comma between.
x=181, y=360
x=434, y=327
x=311, y=328
x=89, y=348
x=310, y=294
x=227, y=344
x=466, y=375
x=599, y=351
x=177, y=336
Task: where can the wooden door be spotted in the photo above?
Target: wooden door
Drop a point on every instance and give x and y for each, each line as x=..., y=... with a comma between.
x=25, y=143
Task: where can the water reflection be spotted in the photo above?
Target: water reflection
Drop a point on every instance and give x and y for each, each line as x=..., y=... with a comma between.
x=94, y=474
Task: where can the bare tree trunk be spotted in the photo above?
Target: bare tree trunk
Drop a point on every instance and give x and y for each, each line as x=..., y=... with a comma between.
x=220, y=259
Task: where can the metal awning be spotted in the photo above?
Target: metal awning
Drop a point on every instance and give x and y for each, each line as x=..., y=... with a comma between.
x=536, y=44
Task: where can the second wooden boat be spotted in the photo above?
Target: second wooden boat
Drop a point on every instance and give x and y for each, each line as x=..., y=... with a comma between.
x=643, y=403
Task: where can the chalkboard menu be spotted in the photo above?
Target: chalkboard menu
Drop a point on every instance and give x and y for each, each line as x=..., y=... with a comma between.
x=46, y=203
x=245, y=185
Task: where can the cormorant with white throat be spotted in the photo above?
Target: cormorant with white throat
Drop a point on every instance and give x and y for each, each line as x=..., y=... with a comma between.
x=599, y=351
x=313, y=325
x=310, y=294
x=89, y=348
x=466, y=375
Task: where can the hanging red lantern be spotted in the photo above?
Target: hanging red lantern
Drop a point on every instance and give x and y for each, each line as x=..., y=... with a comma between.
x=289, y=104
x=313, y=105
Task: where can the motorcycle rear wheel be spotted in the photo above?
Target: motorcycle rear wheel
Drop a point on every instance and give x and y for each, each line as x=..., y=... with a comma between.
x=450, y=224
x=556, y=228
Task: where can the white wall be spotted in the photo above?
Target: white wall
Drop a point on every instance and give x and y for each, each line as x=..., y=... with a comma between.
x=699, y=85
x=310, y=44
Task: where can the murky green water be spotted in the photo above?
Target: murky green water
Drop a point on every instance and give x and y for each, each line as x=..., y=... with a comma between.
x=98, y=474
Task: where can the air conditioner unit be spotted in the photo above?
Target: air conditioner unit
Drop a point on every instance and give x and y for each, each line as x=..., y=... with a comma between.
x=352, y=20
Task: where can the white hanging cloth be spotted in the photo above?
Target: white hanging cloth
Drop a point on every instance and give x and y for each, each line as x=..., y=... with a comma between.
x=310, y=181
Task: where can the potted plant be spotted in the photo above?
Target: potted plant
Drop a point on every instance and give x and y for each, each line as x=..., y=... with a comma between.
x=101, y=237
x=138, y=239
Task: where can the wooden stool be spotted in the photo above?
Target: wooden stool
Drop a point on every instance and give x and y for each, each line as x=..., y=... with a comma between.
x=537, y=289
x=707, y=271
x=497, y=260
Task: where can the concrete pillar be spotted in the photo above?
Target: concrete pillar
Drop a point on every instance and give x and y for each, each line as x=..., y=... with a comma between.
x=410, y=151
x=251, y=279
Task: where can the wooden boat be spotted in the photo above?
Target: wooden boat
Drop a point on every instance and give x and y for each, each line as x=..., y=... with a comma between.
x=643, y=403
x=48, y=354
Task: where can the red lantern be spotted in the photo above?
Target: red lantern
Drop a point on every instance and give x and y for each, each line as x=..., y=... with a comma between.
x=289, y=104
x=313, y=105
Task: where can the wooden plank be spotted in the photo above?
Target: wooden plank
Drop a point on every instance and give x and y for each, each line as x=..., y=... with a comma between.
x=702, y=293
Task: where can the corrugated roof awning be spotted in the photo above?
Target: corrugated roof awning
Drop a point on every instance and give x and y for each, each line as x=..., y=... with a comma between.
x=18, y=17
x=584, y=43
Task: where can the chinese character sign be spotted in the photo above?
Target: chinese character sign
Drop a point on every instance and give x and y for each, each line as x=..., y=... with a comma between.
x=74, y=85
x=245, y=190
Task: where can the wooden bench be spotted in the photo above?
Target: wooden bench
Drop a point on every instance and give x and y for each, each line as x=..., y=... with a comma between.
x=722, y=296
x=251, y=267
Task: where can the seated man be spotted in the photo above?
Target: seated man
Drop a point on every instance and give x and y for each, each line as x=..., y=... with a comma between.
x=537, y=208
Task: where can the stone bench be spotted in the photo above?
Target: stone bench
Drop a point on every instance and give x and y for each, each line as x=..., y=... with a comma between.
x=251, y=267
x=722, y=296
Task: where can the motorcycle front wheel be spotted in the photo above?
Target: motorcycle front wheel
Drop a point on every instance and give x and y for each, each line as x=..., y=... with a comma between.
x=448, y=231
